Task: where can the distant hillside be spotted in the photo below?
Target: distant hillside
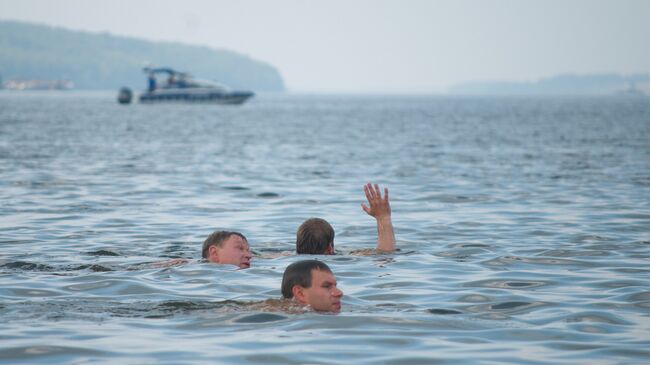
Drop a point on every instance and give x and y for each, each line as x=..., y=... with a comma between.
x=104, y=61
x=569, y=84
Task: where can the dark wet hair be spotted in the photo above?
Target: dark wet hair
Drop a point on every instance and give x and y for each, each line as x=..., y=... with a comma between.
x=314, y=236
x=299, y=273
x=217, y=238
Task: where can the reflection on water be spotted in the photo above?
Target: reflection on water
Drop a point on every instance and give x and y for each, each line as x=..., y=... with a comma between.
x=522, y=223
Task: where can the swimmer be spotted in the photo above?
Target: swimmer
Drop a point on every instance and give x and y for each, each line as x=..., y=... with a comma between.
x=306, y=285
x=315, y=236
x=225, y=247
x=312, y=283
x=221, y=247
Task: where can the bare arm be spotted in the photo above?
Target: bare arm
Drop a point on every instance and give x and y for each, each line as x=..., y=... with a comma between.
x=169, y=263
x=380, y=209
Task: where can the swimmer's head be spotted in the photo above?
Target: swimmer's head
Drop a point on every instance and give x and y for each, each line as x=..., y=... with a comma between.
x=225, y=247
x=311, y=282
x=316, y=237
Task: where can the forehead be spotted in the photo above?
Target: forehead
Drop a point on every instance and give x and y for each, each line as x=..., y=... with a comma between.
x=320, y=276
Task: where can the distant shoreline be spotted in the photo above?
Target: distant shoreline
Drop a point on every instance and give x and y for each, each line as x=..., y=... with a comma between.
x=566, y=84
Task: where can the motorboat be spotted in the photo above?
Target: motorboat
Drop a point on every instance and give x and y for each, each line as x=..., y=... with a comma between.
x=168, y=85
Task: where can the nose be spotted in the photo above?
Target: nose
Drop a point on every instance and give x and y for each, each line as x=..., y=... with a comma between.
x=337, y=292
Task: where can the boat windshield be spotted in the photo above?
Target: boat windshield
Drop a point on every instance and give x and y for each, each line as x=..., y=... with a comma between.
x=179, y=80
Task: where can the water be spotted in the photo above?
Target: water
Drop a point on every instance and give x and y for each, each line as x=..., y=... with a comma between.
x=523, y=225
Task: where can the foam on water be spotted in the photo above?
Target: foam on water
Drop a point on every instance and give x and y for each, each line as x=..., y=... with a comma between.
x=522, y=223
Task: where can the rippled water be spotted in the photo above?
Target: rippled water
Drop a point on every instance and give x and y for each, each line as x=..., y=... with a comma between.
x=523, y=223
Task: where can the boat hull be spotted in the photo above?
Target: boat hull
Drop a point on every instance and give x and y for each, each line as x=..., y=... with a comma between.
x=196, y=96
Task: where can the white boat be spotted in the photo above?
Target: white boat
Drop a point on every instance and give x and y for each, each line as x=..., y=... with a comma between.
x=181, y=87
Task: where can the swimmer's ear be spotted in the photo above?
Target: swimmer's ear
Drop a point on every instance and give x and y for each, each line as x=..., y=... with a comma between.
x=298, y=294
x=330, y=249
x=213, y=254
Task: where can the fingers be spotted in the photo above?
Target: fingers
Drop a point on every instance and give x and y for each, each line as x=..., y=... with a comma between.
x=375, y=191
x=373, y=194
x=366, y=189
x=377, y=206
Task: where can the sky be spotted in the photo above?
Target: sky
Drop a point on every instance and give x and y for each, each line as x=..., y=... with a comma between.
x=381, y=46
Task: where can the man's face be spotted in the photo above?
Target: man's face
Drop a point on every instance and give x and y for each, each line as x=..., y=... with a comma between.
x=233, y=251
x=323, y=295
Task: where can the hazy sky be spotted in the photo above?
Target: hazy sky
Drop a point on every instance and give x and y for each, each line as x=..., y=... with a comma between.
x=381, y=45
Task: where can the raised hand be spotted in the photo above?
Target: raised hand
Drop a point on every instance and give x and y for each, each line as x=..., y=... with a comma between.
x=380, y=209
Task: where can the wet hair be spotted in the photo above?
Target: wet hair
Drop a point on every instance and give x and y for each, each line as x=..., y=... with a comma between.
x=299, y=273
x=217, y=238
x=314, y=236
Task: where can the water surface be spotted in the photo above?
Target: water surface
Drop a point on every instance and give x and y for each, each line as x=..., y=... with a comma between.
x=522, y=222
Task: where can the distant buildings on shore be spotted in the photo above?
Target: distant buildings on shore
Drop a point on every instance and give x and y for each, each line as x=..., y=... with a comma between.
x=23, y=84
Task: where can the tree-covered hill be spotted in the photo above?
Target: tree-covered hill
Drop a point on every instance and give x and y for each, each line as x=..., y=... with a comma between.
x=104, y=61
